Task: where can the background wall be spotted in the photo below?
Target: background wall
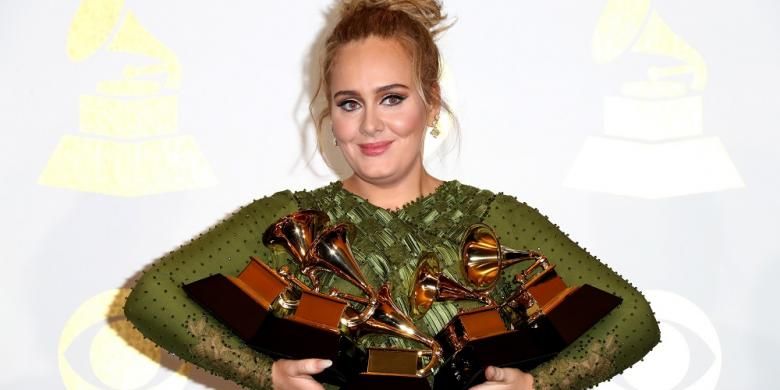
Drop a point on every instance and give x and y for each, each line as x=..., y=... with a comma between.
x=647, y=130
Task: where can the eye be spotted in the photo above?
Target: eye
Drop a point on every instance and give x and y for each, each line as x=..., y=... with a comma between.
x=349, y=105
x=392, y=100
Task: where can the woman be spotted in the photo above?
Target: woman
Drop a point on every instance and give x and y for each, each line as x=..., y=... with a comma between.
x=380, y=80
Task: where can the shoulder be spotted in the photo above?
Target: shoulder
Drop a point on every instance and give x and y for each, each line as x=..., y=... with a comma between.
x=462, y=194
x=507, y=211
x=280, y=198
x=314, y=198
x=498, y=202
x=505, y=203
x=295, y=198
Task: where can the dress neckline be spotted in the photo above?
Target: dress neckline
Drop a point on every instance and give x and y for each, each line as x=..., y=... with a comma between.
x=404, y=207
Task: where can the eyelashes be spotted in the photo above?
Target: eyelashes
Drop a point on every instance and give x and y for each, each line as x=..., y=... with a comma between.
x=396, y=100
x=350, y=105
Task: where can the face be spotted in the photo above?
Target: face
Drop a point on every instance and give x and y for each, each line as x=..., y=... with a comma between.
x=378, y=117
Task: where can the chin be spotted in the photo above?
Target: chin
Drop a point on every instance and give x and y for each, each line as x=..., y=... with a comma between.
x=377, y=175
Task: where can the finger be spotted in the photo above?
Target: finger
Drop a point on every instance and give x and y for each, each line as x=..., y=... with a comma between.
x=308, y=366
x=501, y=375
x=490, y=382
x=492, y=374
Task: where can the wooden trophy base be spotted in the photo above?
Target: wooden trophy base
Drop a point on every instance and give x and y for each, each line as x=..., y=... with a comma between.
x=523, y=348
x=313, y=332
x=243, y=304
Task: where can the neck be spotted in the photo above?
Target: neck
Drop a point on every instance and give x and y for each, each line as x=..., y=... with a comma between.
x=393, y=195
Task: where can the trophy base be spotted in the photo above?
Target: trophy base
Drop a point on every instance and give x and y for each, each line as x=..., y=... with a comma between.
x=284, y=338
x=243, y=304
x=579, y=311
x=523, y=348
x=529, y=345
x=229, y=300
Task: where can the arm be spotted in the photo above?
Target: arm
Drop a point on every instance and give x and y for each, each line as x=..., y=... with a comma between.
x=615, y=343
x=160, y=309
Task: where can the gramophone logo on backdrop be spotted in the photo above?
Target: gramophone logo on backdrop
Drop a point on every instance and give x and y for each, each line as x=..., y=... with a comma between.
x=128, y=143
x=653, y=144
x=99, y=329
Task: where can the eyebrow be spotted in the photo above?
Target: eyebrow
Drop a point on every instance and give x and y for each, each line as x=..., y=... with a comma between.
x=378, y=90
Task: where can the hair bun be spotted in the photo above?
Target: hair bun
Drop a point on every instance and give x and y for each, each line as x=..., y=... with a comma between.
x=426, y=12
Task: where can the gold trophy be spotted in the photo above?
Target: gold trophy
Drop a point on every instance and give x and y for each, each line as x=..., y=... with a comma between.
x=244, y=303
x=314, y=327
x=303, y=322
x=532, y=325
x=384, y=368
x=430, y=285
x=295, y=233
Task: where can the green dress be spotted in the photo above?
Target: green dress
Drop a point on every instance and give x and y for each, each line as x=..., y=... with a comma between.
x=387, y=245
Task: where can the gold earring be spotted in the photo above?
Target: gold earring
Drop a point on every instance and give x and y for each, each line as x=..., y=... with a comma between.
x=335, y=141
x=435, y=132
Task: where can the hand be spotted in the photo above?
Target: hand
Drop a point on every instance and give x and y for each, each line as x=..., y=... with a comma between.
x=505, y=379
x=296, y=374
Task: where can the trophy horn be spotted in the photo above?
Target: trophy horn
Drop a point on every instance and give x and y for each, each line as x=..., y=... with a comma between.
x=387, y=318
x=483, y=257
x=430, y=285
x=296, y=233
x=331, y=251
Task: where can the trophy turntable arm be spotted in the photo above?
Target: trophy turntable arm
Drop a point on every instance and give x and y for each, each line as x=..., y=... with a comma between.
x=616, y=342
x=160, y=309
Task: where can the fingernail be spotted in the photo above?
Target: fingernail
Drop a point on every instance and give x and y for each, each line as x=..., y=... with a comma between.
x=489, y=371
x=326, y=363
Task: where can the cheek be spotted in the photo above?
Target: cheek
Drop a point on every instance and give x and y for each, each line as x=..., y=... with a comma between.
x=407, y=122
x=344, y=126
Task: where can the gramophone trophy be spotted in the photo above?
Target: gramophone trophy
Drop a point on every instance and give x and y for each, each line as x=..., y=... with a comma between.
x=384, y=368
x=313, y=327
x=244, y=303
x=303, y=323
x=532, y=325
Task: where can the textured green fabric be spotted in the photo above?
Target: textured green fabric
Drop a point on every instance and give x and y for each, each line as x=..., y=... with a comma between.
x=387, y=244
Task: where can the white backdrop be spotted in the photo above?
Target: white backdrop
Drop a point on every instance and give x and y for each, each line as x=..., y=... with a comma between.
x=647, y=130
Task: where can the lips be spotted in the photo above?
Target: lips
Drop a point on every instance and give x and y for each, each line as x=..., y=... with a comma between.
x=375, y=148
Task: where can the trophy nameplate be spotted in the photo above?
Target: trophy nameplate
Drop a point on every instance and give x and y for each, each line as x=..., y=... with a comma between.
x=390, y=369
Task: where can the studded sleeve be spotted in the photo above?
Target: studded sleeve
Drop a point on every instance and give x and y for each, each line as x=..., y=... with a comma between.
x=615, y=343
x=159, y=308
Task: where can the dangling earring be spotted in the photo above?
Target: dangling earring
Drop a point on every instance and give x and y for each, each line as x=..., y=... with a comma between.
x=335, y=141
x=435, y=132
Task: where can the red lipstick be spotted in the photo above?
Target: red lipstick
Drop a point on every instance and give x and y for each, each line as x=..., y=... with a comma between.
x=375, y=148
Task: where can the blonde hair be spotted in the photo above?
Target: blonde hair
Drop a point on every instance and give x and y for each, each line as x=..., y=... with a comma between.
x=415, y=24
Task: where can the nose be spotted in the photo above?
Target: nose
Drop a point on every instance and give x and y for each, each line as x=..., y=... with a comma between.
x=372, y=122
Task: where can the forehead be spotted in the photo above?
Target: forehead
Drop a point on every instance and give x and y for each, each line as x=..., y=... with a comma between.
x=370, y=63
